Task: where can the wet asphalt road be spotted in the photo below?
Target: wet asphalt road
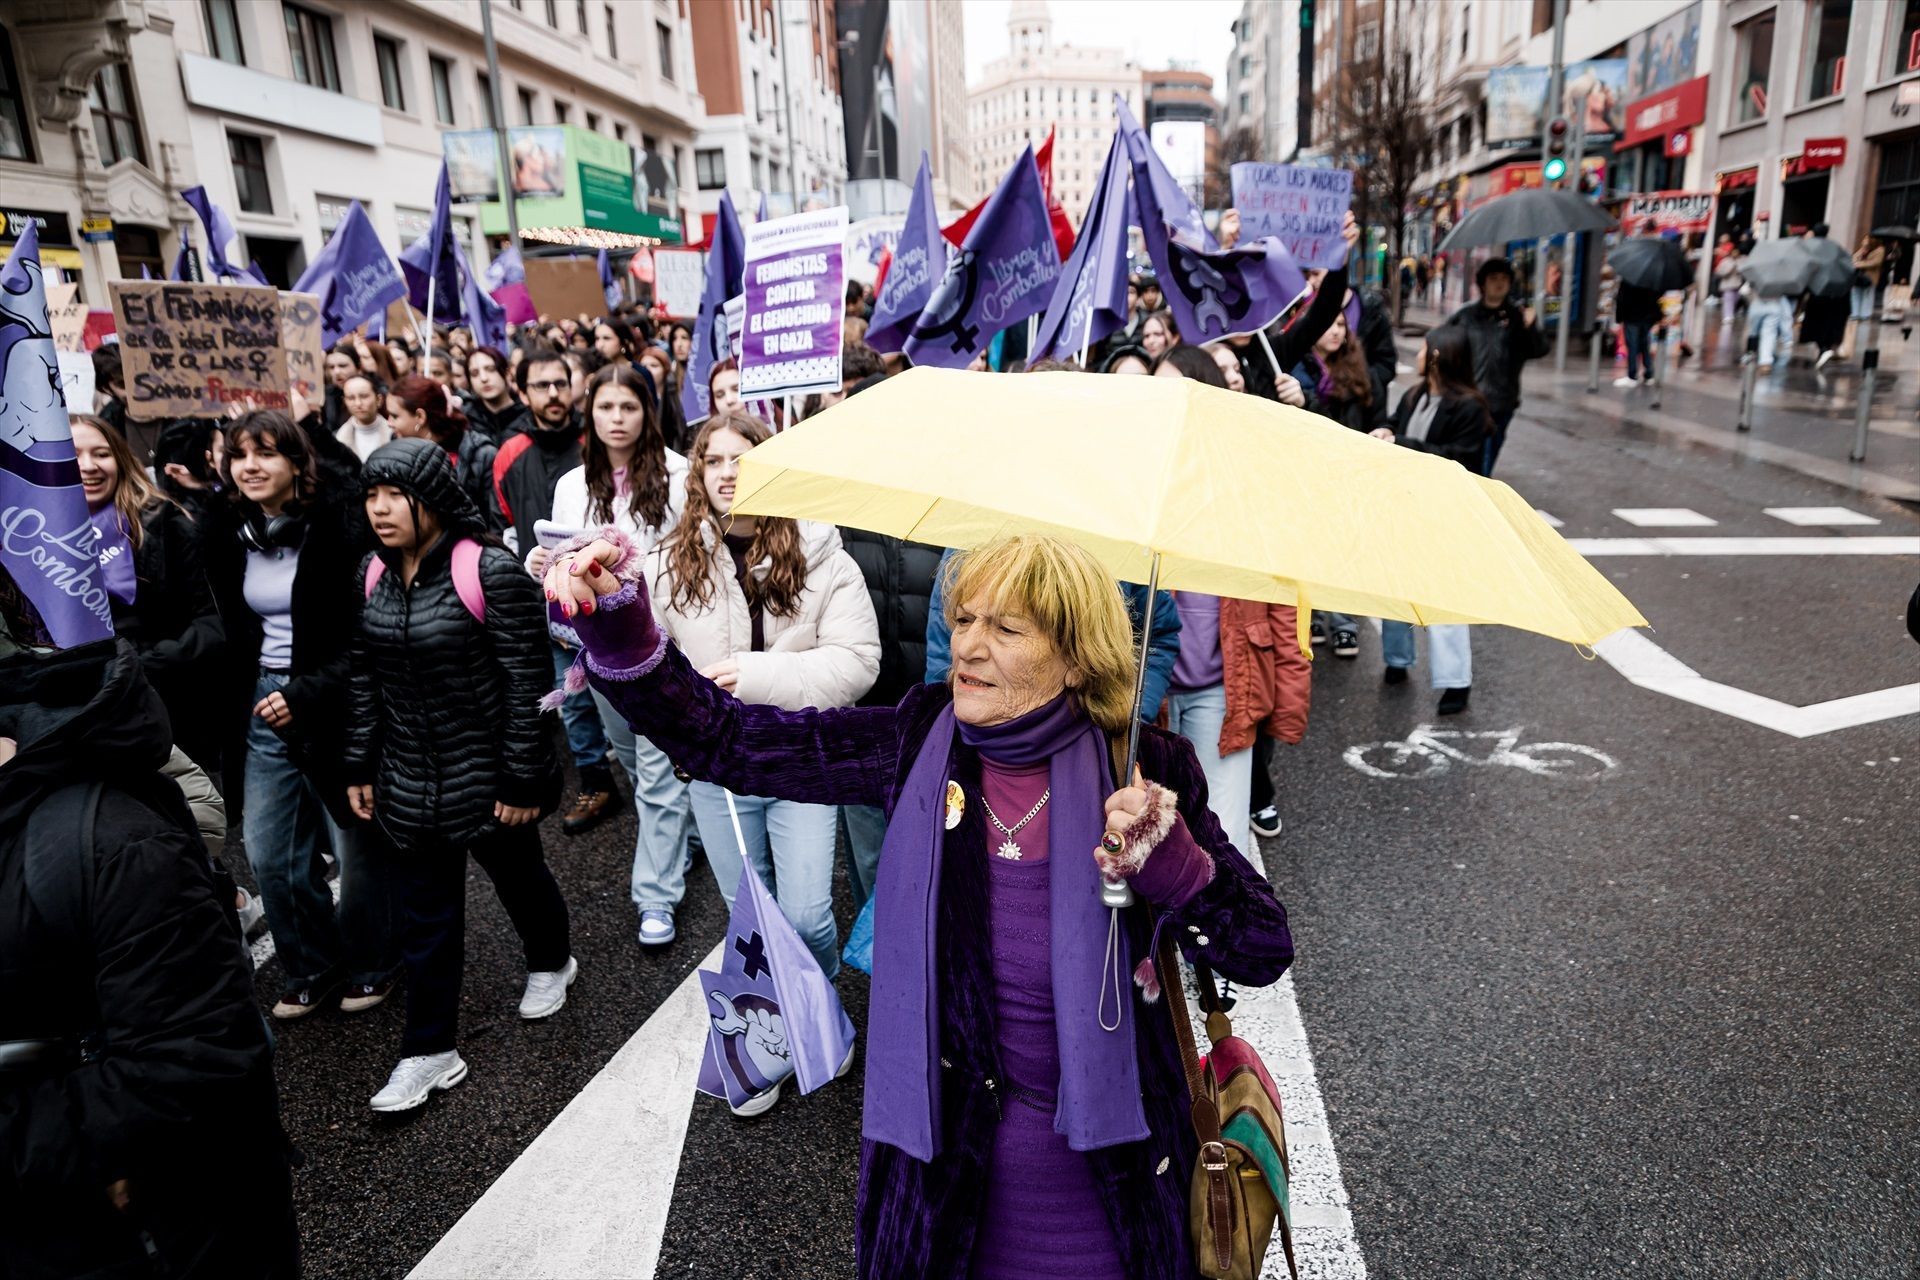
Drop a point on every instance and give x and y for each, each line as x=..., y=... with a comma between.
x=1656, y=1023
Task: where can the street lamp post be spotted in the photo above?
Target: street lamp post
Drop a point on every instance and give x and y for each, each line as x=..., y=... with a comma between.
x=499, y=121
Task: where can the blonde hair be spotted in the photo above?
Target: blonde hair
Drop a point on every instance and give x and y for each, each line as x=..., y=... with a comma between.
x=1073, y=602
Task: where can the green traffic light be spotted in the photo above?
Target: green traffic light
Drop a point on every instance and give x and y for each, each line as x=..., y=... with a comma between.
x=1555, y=169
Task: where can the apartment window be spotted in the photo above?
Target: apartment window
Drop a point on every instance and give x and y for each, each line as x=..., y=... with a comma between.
x=1366, y=42
x=485, y=85
x=412, y=223
x=116, y=125
x=1466, y=27
x=386, y=56
x=663, y=34
x=593, y=122
x=562, y=112
x=1753, y=58
x=619, y=131
x=248, y=155
x=613, y=41
x=580, y=15
x=441, y=73
x=333, y=211
x=223, y=31
x=710, y=169
x=526, y=106
x=756, y=96
x=310, y=46
x=15, y=144
x=1903, y=45
x=553, y=14
x=1828, y=20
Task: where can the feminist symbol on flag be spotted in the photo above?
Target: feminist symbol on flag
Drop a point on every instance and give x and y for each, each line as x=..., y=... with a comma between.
x=951, y=304
x=754, y=952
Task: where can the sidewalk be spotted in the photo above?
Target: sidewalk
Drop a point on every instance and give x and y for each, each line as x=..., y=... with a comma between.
x=1802, y=420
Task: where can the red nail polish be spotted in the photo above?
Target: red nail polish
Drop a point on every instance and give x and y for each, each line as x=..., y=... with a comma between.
x=587, y=607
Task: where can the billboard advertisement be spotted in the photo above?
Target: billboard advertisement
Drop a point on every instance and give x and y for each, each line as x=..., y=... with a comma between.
x=473, y=164
x=886, y=69
x=1663, y=55
x=1517, y=100
x=571, y=182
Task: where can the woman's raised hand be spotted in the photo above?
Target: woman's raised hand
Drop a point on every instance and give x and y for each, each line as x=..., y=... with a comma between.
x=577, y=580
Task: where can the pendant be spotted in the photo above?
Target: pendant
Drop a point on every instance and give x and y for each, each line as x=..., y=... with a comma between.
x=1009, y=849
x=956, y=804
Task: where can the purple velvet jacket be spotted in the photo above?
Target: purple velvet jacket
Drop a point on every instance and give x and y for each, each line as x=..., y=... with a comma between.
x=917, y=1219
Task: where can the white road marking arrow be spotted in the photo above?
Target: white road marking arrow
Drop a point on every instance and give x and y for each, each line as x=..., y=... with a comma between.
x=1646, y=664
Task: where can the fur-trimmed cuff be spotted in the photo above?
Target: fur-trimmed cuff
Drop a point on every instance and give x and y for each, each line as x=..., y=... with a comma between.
x=625, y=567
x=1142, y=836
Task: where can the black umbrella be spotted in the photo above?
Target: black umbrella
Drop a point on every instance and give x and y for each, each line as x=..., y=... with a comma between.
x=1800, y=264
x=1893, y=233
x=1534, y=214
x=1649, y=262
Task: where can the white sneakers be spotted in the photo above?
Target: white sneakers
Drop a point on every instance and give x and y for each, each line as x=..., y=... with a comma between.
x=1624, y=381
x=547, y=992
x=414, y=1080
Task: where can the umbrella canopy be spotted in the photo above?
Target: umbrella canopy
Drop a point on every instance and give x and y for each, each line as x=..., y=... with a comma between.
x=1649, y=262
x=1803, y=264
x=1533, y=214
x=1893, y=233
x=1234, y=494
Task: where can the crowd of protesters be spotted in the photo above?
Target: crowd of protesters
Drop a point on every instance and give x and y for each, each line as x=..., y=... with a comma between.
x=337, y=610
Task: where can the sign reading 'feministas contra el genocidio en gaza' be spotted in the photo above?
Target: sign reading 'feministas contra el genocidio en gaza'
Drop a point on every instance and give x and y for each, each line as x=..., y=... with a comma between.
x=795, y=304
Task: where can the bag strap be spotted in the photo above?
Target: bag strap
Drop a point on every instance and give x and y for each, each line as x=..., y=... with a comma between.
x=376, y=569
x=466, y=578
x=1206, y=1111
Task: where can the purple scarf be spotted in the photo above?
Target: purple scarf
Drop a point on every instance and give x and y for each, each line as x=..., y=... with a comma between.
x=1099, y=1098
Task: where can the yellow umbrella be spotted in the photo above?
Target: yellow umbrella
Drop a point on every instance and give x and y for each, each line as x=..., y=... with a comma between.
x=1171, y=481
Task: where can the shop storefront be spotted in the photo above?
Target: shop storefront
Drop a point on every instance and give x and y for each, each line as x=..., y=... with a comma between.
x=1896, y=196
x=57, y=245
x=1735, y=189
x=1806, y=180
x=1657, y=138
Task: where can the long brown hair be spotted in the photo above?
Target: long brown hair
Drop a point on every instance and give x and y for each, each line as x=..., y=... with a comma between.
x=133, y=494
x=690, y=558
x=647, y=476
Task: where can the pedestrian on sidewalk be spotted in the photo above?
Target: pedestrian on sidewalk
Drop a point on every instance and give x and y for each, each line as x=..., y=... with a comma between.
x=1823, y=317
x=1444, y=414
x=446, y=752
x=773, y=611
x=1504, y=336
x=631, y=480
x=1005, y=1133
x=1728, y=258
x=1638, y=311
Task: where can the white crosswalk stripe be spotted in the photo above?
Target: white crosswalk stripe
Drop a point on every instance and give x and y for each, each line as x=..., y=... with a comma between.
x=1664, y=517
x=1819, y=516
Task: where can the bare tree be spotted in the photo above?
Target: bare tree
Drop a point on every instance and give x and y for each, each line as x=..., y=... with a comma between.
x=1380, y=126
x=1241, y=144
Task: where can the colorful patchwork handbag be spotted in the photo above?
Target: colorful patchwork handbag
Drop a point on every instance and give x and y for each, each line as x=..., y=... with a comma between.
x=1239, y=1189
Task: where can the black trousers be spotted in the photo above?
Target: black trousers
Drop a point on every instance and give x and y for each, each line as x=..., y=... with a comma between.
x=1262, y=794
x=432, y=881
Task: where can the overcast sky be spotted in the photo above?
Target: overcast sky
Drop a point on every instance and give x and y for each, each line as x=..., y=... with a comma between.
x=1193, y=33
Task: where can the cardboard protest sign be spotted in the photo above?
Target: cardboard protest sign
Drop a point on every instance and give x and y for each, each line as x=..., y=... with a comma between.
x=68, y=317
x=300, y=335
x=565, y=288
x=76, y=380
x=679, y=277
x=795, y=291
x=1303, y=206
x=191, y=350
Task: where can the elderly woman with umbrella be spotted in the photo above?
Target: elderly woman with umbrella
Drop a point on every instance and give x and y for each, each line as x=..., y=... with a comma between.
x=1026, y=1110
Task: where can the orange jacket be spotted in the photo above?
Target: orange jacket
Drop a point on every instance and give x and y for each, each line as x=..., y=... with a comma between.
x=1268, y=680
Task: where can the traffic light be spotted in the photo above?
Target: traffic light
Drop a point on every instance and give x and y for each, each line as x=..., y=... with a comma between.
x=1554, y=165
x=1306, y=15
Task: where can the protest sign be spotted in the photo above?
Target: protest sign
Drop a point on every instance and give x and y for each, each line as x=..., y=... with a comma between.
x=300, y=335
x=679, y=277
x=565, y=288
x=76, y=380
x=868, y=240
x=191, y=350
x=1651, y=212
x=733, y=314
x=1303, y=206
x=68, y=316
x=795, y=291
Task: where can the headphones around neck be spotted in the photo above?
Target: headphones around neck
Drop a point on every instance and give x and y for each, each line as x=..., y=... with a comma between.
x=260, y=532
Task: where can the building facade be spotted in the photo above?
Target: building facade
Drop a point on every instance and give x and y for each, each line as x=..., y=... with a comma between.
x=769, y=72
x=953, y=185
x=1040, y=85
x=287, y=112
x=1264, y=78
x=1183, y=98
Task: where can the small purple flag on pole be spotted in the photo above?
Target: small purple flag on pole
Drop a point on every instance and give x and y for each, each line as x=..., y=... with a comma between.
x=353, y=276
x=220, y=234
x=1090, y=298
x=506, y=268
x=1003, y=273
x=435, y=259
x=144, y=273
x=1183, y=218
x=1212, y=293
x=919, y=263
x=50, y=545
x=771, y=1013
x=608, y=285
x=726, y=272
x=486, y=318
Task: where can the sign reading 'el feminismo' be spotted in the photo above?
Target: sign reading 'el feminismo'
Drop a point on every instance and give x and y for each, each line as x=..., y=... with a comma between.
x=191, y=350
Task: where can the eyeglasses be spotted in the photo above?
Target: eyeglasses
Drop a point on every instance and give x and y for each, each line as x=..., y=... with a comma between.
x=560, y=385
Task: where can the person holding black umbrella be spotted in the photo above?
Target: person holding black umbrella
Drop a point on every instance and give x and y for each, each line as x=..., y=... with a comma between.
x=1504, y=337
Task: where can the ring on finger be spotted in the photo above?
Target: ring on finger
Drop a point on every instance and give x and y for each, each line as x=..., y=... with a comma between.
x=1112, y=842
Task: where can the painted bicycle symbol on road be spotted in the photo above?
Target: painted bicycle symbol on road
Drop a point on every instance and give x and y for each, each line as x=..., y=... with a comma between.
x=1430, y=751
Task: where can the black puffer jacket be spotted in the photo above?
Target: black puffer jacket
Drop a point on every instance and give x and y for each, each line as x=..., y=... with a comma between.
x=443, y=713
x=179, y=1098
x=900, y=579
x=174, y=626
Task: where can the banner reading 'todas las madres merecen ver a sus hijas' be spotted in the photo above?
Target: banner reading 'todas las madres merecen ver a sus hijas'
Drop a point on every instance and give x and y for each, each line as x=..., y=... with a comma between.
x=796, y=304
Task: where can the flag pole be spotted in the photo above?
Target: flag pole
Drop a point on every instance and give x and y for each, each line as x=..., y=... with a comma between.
x=1272, y=359
x=1086, y=335
x=426, y=345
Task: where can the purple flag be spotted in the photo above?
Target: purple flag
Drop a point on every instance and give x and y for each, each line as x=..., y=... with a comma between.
x=48, y=544
x=220, y=234
x=435, y=260
x=1212, y=294
x=1003, y=273
x=608, y=285
x=919, y=263
x=486, y=318
x=179, y=271
x=144, y=273
x=506, y=268
x=353, y=277
x=771, y=1013
x=1090, y=299
x=726, y=271
x=1184, y=222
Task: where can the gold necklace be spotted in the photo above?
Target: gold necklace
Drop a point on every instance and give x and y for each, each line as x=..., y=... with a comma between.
x=1010, y=848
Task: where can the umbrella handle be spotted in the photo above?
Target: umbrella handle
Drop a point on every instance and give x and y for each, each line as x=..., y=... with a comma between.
x=1118, y=893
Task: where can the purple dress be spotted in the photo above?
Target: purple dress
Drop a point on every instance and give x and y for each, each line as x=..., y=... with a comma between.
x=1043, y=1215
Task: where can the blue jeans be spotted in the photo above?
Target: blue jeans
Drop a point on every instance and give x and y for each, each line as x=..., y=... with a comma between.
x=1639, y=343
x=1197, y=715
x=585, y=737
x=791, y=845
x=1772, y=319
x=1501, y=419
x=664, y=818
x=1450, y=651
x=866, y=830
x=288, y=835
x=1862, y=302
